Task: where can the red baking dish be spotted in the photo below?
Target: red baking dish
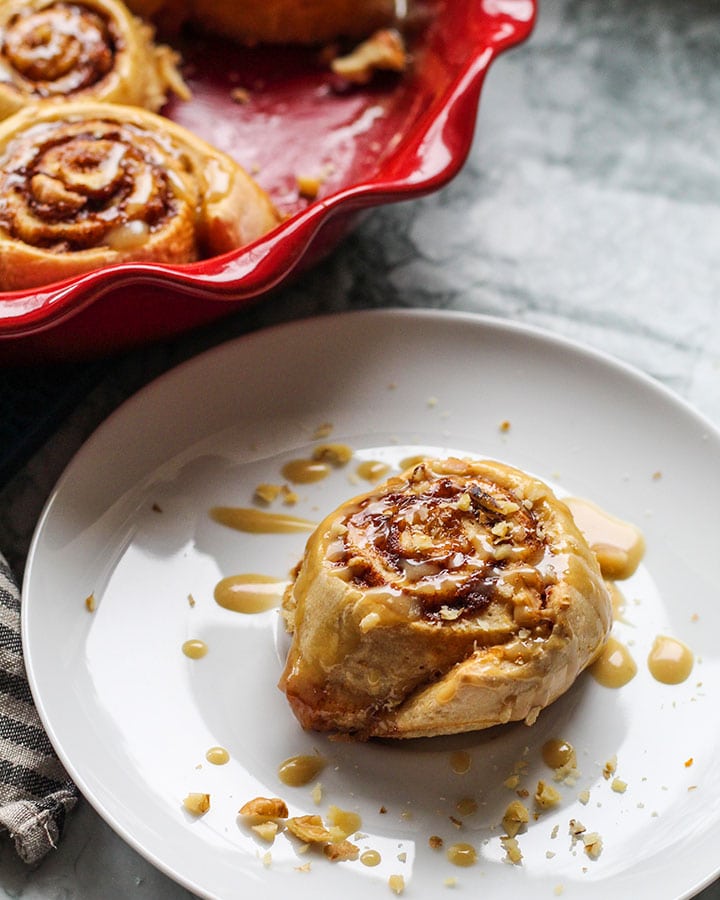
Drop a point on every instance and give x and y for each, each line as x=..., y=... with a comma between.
x=398, y=138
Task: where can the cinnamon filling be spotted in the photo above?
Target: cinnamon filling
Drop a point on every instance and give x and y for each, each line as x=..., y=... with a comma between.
x=76, y=186
x=449, y=544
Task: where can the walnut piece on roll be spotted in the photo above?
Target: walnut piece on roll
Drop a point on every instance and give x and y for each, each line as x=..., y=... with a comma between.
x=457, y=596
x=84, y=185
x=274, y=21
x=85, y=50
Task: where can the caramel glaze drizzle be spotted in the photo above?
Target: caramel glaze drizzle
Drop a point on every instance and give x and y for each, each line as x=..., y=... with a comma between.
x=382, y=546
x=59, y=50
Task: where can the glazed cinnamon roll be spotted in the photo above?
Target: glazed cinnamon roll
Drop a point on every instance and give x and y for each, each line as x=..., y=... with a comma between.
x=85, y=50
x=457, y=596
x=275, y=21
x=84, y=185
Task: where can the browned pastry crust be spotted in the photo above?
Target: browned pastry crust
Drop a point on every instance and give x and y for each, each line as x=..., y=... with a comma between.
x=84, y=185
x=82, y=50
x=274, y=21
x=455, y=597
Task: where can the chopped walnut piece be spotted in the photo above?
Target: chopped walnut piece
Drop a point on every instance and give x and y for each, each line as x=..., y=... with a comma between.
x=342, y=851
x=197, y=804
x=383, y=50
x=610, y=767
x=240, y=95
x=396, y=883
x=512, y=849
x=309, y=829
x=435, y=842
x=308, y=185
x=266, y=830
x=266, y=493
x=90, y=604
x=515, y=817
x=618, y=785
x=576, y=829
x=593, y=844
x=546, y=796
x=265, y=808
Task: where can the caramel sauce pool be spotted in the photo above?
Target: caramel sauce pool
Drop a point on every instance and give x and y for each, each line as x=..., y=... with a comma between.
x=460, y=762
x=618, y=546
x=557, y=754
x=305, y=471
x=462, y=854
x=615, y=666
x=218, y=756
x=372, y=470
x=300, y=770
x=257, y=521
x=249, y=593
x=670, y=661
x=195, y=648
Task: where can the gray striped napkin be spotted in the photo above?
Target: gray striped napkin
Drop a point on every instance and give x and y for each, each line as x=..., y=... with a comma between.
x=36, y=792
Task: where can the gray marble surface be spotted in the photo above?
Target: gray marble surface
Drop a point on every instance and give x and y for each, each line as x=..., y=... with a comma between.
x=590, y=206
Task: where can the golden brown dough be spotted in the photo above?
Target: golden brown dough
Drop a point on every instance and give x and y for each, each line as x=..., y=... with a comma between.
x=275, y=21
x=86, y=50
x=457, y=596
x=84, y=185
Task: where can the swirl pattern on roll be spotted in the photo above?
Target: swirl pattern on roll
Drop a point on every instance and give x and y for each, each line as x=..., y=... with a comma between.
x=89, y=184
x=457, y=596
x=88, y=50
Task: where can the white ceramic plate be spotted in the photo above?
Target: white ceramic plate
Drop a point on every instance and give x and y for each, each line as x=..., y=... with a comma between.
x=132, y=717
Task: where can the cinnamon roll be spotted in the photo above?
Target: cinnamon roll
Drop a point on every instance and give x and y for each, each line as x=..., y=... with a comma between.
x=84, y=185
x=82, y=50
x=275, y=21
x=457, y=596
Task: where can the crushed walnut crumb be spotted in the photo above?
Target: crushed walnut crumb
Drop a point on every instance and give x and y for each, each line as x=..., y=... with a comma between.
x=240, y=95
x=516, y=816
x=341, y=852
x=512, y=849
x=435, y=842
x=592, y=844
x=196, y=803
x=266, y=493
x=265, y=808
x=383, y=50
x=610, y=767
x=546, y=796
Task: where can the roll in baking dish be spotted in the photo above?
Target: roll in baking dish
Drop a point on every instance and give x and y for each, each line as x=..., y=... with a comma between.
x=457, y=596
x=84, y=185
x=86, y=50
